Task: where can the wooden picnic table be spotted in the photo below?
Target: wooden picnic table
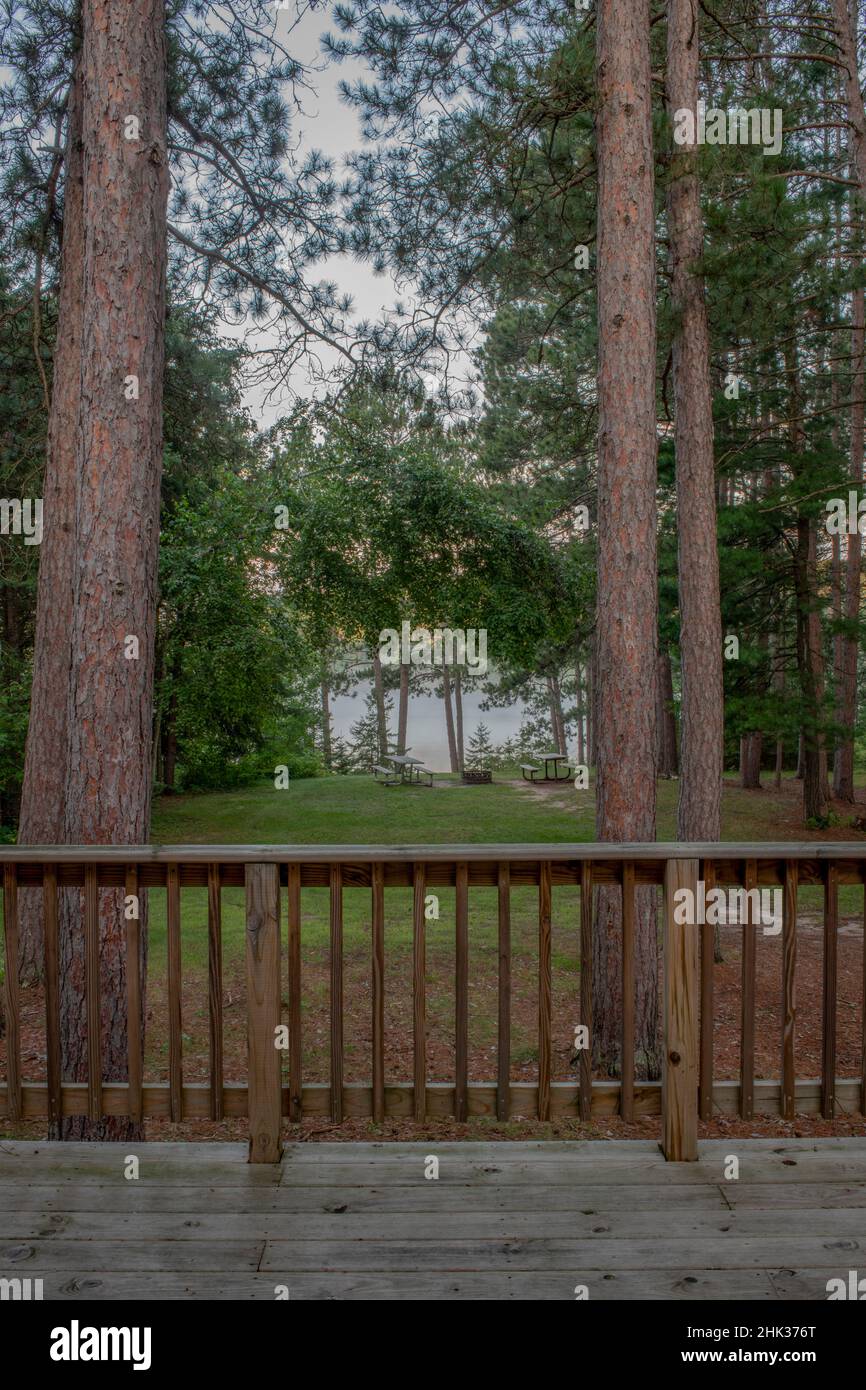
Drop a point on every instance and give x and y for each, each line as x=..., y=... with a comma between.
x=555, y=759
x=405, y=764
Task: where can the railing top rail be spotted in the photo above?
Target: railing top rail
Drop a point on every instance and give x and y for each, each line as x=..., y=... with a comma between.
x=366, y=854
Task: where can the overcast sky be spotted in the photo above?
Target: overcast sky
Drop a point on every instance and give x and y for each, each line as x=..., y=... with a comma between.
x=330, y=126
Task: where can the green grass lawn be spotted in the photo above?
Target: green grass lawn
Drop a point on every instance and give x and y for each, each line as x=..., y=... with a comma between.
x=354, y=810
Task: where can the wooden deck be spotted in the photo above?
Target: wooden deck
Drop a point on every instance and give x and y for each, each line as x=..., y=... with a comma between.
x=502, y=1221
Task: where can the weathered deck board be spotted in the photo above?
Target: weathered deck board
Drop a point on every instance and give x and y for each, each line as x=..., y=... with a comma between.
x=193, y=1200
x=497, y=1173
x=526, y=1221
x=576, y=1255
x=602, y=1150
x=373, y=1227
x=73, y=1256
x=683, y=1284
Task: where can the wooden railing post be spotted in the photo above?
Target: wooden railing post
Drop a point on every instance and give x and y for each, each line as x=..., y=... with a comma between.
x=263, y=1010
x=680, y=1066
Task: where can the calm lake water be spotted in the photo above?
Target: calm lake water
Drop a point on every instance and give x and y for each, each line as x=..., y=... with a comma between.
x=426, y=735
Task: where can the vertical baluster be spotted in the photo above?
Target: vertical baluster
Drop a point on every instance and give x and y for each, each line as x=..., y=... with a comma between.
x=91, y=985
x=503, y=1088
x=264, y=1091
x=789, y=988
x=52, y=993
x=419, y=996
x=681, y=1041
x=294, y=964
x=175, y=1022
x=626, y=1103
x=13, y=1016
x=378, y=993
x=134, y=1053
x=215, y=989
x=586, y=987
x=747, y=988
x=707, y=1001
x=461, y=996
x=828, y=1041
x=544, y=991
x=336, y=877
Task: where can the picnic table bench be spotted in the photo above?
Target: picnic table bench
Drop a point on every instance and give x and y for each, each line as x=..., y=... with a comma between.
x=410, y=770
x=385, y=776
x=547, y=759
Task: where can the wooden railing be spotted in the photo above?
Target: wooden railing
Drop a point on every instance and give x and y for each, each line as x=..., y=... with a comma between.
x=687, y=1088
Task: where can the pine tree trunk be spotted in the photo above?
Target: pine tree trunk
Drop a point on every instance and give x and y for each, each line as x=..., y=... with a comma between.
x=801, y=758
x=779, y=688
x=41, y=821
x=119, y=465
x=843, y=772
x=843, y=769
x=810, y=667
x=458, y=720
x=626, y=701
x=403, y=709
x=578, y=696
x=327, y=753
x=699, y=811
x=381, y=711
x=169, y=744
x=751, y=748
x=449, y=720
x=561, y=735
x=591, y=688
x=837, y=606
x=557, y=724
x=667, y=723
x=12, y=655
x=810, y=651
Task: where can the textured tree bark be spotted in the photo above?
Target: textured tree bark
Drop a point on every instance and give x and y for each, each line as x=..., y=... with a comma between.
x=836, y=593
x=810, y=648
x=751, y=748
x=458, y=720
x=579, y=712
x=811, y=670
x=591, y=688
x=169, y=744
x=843, y=769
x=403, y=708
x=557, y=723
x=779, y=688
x=14, y=650
x=843, y=763
x=42, y=820
x=381, y=712
x=449, y=720
x=560, y=715
x=119, y=464
x=326, y=723
x=699, y=812
x=667, y=723
x=626, y=702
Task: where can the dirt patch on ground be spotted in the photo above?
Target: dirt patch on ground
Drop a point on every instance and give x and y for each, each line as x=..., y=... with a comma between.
x=482, y=1061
